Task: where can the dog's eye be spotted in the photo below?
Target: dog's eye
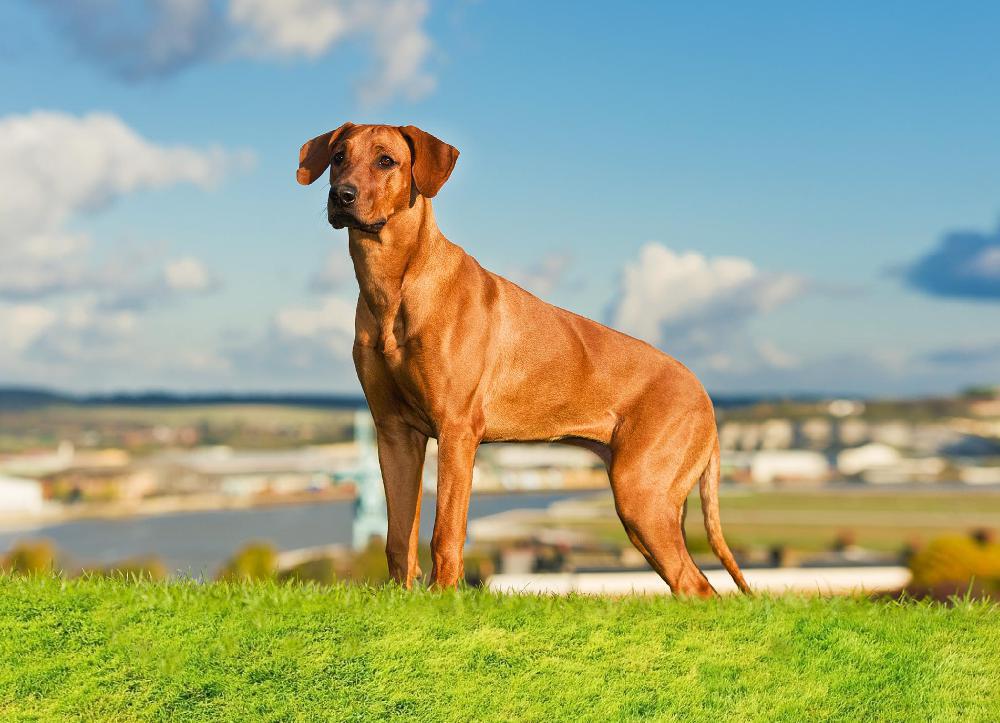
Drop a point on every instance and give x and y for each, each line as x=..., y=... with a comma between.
x=386, y=162
x=338, y=158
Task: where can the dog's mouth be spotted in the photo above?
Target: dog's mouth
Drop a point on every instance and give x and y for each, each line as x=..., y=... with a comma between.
x=346, y=220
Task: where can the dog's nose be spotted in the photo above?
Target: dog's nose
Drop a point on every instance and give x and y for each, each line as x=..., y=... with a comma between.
x=346, y=194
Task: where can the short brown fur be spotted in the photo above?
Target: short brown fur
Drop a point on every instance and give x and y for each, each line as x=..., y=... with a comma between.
x=447, y=349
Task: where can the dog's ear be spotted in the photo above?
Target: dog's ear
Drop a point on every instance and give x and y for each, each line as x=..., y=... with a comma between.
x=315, y=155
x=433, y=160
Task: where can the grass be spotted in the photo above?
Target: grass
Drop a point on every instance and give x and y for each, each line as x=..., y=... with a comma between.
x=113, y=650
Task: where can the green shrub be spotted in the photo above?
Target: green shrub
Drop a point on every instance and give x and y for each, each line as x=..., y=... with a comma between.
x=322, y=570
x=37, y=557
x=369, y=565
x=956, y=559
x=255, y=561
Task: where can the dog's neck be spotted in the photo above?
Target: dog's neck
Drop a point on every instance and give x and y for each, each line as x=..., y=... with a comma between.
x=398, y=254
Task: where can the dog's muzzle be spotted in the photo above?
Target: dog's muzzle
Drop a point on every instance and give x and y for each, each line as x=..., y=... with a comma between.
x=342, y=219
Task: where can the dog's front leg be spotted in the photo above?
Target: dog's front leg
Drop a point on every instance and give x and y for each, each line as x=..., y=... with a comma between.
x=456, y=456
x=401, y=458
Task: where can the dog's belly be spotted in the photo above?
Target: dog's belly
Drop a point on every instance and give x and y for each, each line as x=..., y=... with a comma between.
x=547, y=411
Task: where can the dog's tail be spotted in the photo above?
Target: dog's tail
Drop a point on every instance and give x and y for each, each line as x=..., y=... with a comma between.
x=709, y=488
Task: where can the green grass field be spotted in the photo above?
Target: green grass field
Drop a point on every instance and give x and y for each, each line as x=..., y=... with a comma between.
x=107, y=650
x=810, y=520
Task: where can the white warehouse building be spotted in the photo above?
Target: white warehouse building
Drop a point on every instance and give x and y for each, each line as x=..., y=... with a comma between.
x=20, y=496
x=798, y=465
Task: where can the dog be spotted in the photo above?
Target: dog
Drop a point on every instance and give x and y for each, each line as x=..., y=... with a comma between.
x=446, y=349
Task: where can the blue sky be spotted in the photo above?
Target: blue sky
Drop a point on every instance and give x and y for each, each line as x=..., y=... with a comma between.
x=787, y=197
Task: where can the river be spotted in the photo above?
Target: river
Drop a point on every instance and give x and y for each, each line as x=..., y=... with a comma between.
x=197, y=543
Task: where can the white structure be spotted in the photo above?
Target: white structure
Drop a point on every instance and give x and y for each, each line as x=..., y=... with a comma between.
x=918, y=469
x=802, y=580
x=868, y=456
x=979, y=475
x=789, y=464
x=20, y=496
x=370, y=516
x=817, y=432
x=895, y=433
x=777, y=434
x=538, y=456
x=38, y=464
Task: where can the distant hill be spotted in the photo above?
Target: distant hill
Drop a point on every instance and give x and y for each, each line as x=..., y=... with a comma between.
x=28, y=397
x=33, y=397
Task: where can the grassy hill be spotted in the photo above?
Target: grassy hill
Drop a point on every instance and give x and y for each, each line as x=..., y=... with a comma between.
x=119, y=651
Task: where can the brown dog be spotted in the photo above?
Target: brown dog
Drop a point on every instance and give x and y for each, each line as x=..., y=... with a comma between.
x=446, y=349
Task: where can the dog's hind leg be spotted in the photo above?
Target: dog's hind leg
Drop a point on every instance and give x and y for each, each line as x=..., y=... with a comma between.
x=651, y=489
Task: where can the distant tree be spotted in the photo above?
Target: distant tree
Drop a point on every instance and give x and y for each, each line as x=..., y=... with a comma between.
x=981, y=391
x=255, y=561
x=322, y=570
x=37, y=557
x=369, y=565
x=957, y=559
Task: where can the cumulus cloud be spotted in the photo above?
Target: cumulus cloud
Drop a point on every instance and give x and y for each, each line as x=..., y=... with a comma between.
x=136, y=41
x=310, y=28
x=58, y=303
x=77, y=342
x=75, y=330
x=693, y=305
x=187, y=274
x=83, y=332
x=965, y=265
x=337, y=271
x=139, y=39
x=545, y=275
x=22, y=324
x=178, y=278
x=55, y=167
x=305, y=347
x=328, y=326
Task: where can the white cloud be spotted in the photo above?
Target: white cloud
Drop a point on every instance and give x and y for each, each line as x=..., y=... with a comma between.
x=310, y=28
x=544, y=276
x=62, y=312
x=295, y=27
x=159, y=37
x=55, y=167
x=76, y=330
x=136, y=41
x=337, y=271
x=21, y=324
x=699, y=308
x=679, y=297
x=304, y=347
x=187, y=274
x=775, y=357
x=329, y=325
x=402, y=49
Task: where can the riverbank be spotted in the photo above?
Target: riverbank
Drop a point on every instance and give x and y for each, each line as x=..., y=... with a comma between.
x=56, y=513
x=195, y=543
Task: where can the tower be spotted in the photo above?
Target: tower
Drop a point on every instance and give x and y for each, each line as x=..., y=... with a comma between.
x=369, y=507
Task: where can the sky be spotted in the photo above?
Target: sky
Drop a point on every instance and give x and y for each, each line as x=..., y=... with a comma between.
x=787, y=197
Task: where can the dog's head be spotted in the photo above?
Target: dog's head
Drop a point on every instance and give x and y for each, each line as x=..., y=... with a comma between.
x=375, y=171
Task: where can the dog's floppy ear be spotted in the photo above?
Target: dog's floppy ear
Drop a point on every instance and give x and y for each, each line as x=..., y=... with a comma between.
x=315, y=155
x=433, y=160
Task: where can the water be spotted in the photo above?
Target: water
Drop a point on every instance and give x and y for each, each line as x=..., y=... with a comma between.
x=197, y=543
